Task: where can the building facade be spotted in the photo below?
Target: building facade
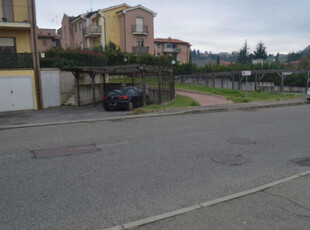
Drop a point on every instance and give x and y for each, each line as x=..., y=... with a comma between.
x=47, y=39
x=130, y=28
x=19, y=62
x=180, y=50
x=137, y=30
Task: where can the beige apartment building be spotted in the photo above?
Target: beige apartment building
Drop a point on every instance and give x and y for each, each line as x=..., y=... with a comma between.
x=180, y=50
x=130, y=28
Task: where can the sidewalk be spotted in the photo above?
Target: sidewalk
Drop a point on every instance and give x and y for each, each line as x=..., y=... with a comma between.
x=285, y=206
x=205, y=99
x=70, y=114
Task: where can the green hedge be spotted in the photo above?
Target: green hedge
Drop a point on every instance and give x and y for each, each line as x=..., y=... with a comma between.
x=60, y=58
x=16, y=60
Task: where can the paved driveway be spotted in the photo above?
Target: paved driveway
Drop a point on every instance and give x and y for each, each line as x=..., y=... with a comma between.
x=60, y=114
x=205, y=99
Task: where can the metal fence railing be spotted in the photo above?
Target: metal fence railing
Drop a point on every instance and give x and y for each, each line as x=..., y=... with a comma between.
x=140, y=29
x=16, y=61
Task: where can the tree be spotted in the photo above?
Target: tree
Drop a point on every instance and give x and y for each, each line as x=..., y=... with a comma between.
x=243, y=56
x=260, y=52
x=277, y=58
x=304, y=63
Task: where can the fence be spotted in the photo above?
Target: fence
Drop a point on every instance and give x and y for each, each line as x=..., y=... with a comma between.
x=16, y=61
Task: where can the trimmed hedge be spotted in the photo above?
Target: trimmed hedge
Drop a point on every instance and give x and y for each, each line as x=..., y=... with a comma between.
x=16, y=60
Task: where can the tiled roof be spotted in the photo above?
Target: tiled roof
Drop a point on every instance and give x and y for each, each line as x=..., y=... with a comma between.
x=170, y=40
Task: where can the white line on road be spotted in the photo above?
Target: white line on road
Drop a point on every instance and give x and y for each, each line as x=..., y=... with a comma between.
x=178, y=212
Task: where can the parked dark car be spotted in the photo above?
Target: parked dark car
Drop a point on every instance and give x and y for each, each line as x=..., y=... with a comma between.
x=128, y=97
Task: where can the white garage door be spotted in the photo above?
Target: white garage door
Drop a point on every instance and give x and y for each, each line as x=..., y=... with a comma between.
x=16, y=93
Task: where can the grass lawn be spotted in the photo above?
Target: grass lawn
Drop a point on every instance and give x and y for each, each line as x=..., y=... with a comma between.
x=238, y=96
x=180, y=101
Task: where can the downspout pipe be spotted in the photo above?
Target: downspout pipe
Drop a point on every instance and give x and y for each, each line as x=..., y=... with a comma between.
x=36, y=61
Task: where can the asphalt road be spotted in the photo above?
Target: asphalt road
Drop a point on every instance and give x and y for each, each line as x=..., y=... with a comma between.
x=145, y=167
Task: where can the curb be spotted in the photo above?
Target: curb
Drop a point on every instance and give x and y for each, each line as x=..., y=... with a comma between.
x=184, y=112
x=149, y=220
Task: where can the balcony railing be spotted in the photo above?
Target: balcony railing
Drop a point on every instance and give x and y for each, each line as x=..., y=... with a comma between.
x=171, y=50
x=16, y=61
x=140, y=29
x=92, y=30
x=14, y=13
x=140, y=50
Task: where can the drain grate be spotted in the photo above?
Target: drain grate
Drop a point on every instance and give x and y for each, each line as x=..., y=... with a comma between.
x=230, y=159
x=61, y=152
x=241, y=141
x=305, y=161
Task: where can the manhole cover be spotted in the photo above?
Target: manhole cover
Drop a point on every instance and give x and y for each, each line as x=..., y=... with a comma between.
x=305, y=161
x=241, y=141
x=230, y=159
x=61, y=152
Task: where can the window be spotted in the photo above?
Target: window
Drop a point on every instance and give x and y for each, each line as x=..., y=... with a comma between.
x=54, y=43
x=80, y=25
x=158, y=46
x=139, y=24
x=7, y=45
x=75, y=28
x=44, y=42
x=158, y=54
x=6, y=10
x=139, y=42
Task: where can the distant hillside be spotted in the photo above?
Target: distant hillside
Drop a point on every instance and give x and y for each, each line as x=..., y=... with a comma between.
x=307, y=50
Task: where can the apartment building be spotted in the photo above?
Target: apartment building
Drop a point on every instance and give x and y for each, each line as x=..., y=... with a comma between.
x=130, y=28
x=47, y=39
x=137, y=30
x=19, y=63
x=180, y=50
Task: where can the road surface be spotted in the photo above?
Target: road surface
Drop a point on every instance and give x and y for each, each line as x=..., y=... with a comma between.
x=144, y=167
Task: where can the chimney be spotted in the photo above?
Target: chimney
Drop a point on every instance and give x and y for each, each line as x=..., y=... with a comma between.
x=169, y=38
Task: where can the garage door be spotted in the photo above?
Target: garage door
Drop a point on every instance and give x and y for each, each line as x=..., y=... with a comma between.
x=16, y=93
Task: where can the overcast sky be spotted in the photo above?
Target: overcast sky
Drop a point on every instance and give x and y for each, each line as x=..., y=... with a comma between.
x=209, y=25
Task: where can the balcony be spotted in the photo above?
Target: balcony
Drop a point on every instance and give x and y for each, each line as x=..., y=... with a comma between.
x=14, y=16
x=92, y=31
x=172, y=50
x=140, y=50
x=140, y=29
x=16, y=61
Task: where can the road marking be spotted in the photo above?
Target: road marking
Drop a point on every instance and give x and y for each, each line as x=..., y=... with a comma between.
x=178, y=212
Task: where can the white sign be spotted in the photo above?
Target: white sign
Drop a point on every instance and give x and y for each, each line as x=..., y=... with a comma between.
x=246, y=73
x=42, y=55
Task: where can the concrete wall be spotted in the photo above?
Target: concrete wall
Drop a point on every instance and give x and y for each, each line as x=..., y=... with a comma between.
x=86, y=94
x=227, y=84
x=66, y=85
x=50, y=80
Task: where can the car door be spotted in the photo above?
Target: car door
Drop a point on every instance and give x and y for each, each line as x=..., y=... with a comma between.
x=133, y=95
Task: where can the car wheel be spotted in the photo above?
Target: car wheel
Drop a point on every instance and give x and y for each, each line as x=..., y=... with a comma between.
x=130, y=106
